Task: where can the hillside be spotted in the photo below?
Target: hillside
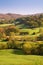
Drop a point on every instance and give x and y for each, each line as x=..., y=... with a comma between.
x=10, y=16
x=30, y=21
x=22, y=21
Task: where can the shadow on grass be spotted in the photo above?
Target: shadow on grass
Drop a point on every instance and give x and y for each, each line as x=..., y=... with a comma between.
x=18, y=52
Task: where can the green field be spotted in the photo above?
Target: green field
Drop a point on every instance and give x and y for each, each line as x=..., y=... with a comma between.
x=5, y=25
x=16, y=57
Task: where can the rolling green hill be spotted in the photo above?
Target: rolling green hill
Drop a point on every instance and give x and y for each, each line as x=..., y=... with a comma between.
x=31, y=21
x=23, y=21
x=21, y=40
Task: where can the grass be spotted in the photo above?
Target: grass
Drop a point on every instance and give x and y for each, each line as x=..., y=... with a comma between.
x=30, y=31
x=21, y=26
x=16, y=57
x=4, y=25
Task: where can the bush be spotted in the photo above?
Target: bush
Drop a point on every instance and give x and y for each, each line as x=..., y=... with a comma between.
x=27, y=48
x=40, y=47
x=3, y=46
x=35, y=48
x=9, y=44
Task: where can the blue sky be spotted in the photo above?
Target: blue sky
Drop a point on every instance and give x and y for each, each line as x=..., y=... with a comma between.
x=21, y=6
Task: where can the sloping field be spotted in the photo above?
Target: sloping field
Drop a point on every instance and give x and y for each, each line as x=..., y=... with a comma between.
x=16, y=57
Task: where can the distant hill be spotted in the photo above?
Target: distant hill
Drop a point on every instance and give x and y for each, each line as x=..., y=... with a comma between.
x=22, y=21
x=16, y=16
x=10, y=16
x=30, y=21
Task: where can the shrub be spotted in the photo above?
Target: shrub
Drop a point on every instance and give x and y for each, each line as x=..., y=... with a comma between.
x=3, y=46
x=10, y=44
x=33, y=48
x=27, y=48
x=40, y=47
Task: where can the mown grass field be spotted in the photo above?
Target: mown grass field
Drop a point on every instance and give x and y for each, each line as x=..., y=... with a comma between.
x=17, y=57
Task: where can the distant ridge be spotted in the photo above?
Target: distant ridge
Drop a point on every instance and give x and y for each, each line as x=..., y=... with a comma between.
x=10, y=16
x=15, y=16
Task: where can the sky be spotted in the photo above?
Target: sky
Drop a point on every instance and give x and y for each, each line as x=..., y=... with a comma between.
x=23, y=7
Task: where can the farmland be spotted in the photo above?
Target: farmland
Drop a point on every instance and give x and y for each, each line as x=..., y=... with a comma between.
x=21, y=41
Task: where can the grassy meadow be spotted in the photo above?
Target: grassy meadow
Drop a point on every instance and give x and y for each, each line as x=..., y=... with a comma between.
x=17, y=57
